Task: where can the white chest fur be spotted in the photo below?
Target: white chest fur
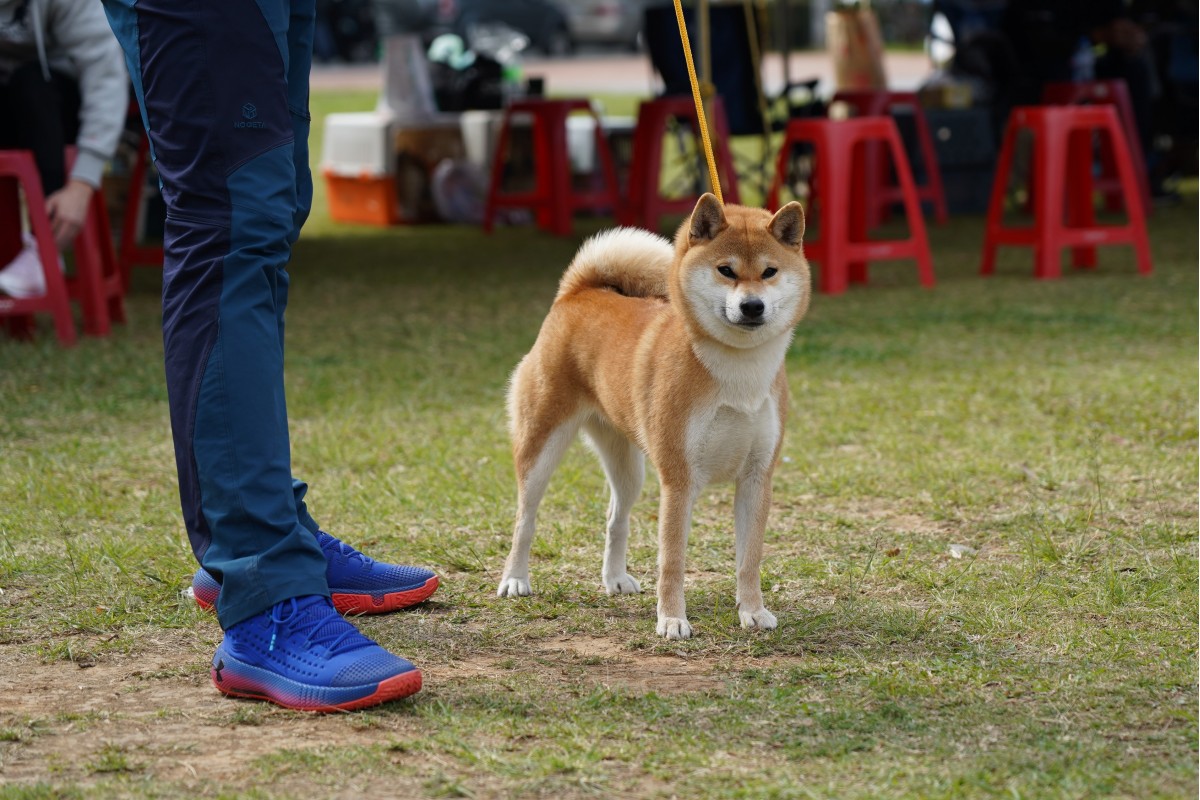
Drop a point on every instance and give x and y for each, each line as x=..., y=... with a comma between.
x=744, y=378
x=738, y=430
x=724, y=443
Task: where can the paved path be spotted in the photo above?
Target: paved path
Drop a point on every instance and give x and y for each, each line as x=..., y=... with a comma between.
x=626, y=74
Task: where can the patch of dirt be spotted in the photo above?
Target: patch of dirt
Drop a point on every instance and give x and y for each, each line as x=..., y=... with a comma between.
x=604, y=662
x=155, y=715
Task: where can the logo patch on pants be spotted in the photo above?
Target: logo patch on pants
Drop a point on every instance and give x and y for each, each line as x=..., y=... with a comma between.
x=249, y=112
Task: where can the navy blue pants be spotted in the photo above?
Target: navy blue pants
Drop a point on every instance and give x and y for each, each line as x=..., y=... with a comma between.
x=223, y=89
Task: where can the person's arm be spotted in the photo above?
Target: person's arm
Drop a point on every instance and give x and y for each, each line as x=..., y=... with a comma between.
x=67, y=210
x=80, y=31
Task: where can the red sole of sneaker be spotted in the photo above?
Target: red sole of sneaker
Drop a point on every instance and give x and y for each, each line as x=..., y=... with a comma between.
x=393, y=688
x=368, y=604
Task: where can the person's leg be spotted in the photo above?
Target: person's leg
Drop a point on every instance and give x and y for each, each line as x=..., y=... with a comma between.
x=7, y=118
x=298, y=49
x=213, y=94
x=358, y=584
x=1137, y=70
x=215, y=99
x=41, y=116
x=44, y=119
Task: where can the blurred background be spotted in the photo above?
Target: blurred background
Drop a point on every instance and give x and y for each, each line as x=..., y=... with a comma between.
x=349, y=31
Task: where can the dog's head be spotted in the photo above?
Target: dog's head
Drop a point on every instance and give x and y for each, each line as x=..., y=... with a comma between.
x=740, y=275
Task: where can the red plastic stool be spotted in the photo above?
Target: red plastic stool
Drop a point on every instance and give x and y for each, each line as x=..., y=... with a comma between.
x=98, y=284
x=646, y=204
x=843, y=248
x=18, y=171
x=1114, y=93
x=131, y=253
x=553, y=197
x=882, y=194
x=1062, y=177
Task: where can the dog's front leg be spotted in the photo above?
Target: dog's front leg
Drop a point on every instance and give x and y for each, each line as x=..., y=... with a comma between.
x=674, y=523
x=752, y=503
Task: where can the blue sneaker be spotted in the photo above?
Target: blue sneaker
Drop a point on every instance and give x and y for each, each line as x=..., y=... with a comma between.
x=302, y=654
x=359, y=584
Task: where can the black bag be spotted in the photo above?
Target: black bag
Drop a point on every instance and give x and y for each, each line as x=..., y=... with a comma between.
x=479, y=86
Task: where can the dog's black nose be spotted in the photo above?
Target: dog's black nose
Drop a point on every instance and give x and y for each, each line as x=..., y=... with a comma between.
x=752, y=308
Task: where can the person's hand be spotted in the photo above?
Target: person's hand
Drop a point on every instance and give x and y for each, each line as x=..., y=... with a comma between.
x=67, y=209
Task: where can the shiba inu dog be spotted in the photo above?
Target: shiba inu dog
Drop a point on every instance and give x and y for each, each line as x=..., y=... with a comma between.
x=678, y=353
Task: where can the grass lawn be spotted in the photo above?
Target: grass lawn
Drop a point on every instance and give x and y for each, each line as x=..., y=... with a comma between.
x=1049, y=428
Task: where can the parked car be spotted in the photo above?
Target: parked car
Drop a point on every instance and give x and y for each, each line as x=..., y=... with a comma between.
x=348, y=29
x=345, y=31
x=609, y=23
x=541, y=21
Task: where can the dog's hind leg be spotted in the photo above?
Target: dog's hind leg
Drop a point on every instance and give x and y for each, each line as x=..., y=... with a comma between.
x=535, y=461
x=625, y=468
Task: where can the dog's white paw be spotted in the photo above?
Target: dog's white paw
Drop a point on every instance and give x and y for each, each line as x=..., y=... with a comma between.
x=674, y=628
x=514, y=587
x=758, y=619
x=622, y=584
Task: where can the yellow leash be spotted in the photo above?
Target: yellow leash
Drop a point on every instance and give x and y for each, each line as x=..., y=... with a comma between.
x=691, y=68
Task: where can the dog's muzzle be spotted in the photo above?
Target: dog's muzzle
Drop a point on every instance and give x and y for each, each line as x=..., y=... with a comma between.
x=751, y=314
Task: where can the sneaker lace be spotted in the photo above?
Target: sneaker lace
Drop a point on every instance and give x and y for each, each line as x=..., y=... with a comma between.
x=320, y=624
x=332, y=545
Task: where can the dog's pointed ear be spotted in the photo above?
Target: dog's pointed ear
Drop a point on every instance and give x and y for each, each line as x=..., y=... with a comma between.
x=788, y=225
x=708, y=219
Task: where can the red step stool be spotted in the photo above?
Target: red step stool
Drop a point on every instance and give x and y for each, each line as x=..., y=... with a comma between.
x=132, y=253
x=96, y=283
x=1062, y=177
x=553, y=198
x=646, y=204
x=840, y=188
x=18, y=171
x=882, y=194
x=1114, y=93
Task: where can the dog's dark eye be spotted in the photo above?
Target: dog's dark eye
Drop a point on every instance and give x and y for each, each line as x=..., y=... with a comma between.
x=727, y=271
x=770, y=272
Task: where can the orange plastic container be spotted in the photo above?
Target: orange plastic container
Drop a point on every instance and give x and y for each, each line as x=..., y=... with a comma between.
x=369, y=199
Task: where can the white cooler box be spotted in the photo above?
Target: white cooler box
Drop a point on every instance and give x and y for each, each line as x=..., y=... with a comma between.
x=357, y=161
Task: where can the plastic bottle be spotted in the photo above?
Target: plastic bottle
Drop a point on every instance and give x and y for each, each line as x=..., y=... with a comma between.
x=1083, y=62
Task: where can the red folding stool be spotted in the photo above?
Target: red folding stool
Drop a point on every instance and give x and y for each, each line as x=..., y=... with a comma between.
x=646, y=203
x=839, y=189
x=18, y=171
x=98, y=284
x=883, y=194
x=132, y=253
x=1114, y=93
x=553, y=199
x=1062, y=179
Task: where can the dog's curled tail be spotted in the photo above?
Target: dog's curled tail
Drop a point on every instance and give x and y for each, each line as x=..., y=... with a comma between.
x=631, y=261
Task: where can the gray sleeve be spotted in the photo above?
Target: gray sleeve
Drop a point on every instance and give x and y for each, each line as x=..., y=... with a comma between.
x=81, y=31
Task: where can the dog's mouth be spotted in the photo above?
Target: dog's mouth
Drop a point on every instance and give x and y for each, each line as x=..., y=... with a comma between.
x=746, y=324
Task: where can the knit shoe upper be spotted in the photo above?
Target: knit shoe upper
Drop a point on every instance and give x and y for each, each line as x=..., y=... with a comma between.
x=358, y=583
x=302, y=654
